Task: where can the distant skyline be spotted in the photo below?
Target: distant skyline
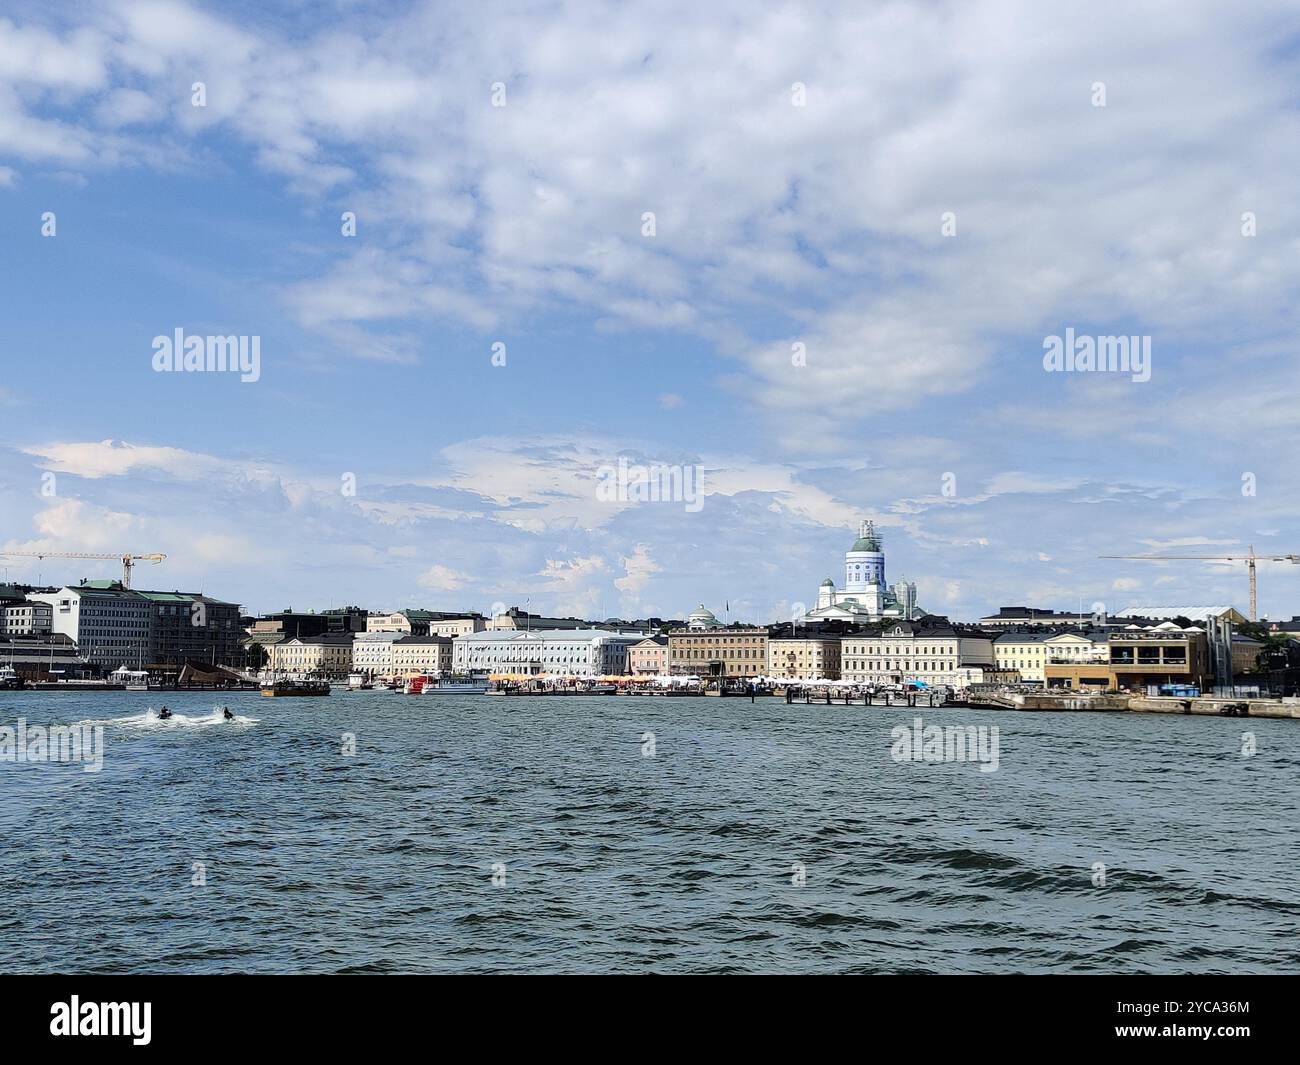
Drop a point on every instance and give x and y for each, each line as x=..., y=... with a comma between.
x=868, y=223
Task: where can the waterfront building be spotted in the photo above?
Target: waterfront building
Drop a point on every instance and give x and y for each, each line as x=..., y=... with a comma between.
x=190, y=626
x=931, y=650
x=561, y=652
x=1142, y=659
x=25, y=617
x=866, y=598
x=649, y=657
x=329, y=656
x=1030, y=652
x=708, y=650
x=110, y=625
x=1161, y=654
x=800, y=655
x=372, y=653
x=422, y=654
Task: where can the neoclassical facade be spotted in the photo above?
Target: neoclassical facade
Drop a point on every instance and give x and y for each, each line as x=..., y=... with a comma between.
x=905, y=652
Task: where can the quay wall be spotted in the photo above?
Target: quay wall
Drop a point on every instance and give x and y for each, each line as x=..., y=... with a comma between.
x=1205, y=706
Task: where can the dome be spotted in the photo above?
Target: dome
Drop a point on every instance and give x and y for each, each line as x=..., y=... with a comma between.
x=702, y=618
x=867, y=539
x=828, y=583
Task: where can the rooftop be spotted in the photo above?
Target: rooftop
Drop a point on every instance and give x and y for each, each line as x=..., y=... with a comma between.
x=505, y=635
x=1191, y=613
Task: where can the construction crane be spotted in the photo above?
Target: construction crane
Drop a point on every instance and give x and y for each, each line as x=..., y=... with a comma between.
x=1250, y=558
x=127, y=560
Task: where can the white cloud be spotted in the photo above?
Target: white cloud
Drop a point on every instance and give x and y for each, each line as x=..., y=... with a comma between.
x=638, y=568
x=440, y=578
x=827, y=216
x=108, y=458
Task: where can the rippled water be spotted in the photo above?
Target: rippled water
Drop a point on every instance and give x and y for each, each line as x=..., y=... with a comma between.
x=614, y=861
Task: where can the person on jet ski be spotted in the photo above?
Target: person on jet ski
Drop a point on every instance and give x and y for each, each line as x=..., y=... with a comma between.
x=225, y=712
x=164, y=714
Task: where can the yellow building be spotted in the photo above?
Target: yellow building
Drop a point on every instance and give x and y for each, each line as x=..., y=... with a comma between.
x=735, y=652
x=1029, y=653
x=422, y=654
x=329, y=656
x=810, y=657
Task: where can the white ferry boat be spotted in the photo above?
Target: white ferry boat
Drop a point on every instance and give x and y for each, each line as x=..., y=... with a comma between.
x=455, y=686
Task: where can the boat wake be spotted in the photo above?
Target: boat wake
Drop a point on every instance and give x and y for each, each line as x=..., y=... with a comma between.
x=150, y=720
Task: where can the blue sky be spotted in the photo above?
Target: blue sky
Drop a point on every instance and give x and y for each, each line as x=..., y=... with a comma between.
x=775, y=225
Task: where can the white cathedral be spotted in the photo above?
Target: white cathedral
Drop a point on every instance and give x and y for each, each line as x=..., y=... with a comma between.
x=865, y=596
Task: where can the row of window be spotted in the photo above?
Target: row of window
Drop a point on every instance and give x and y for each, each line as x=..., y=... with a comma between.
x=931, y=665
x=885, y=649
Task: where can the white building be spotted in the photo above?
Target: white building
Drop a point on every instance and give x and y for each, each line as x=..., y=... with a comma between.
x=372, y=653
x=560, y=652
x=906, y=651
x=866, y=597
x=110, y=626
x=26, y=618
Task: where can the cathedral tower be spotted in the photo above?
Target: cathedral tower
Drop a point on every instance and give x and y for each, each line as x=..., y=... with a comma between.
x=864, y=563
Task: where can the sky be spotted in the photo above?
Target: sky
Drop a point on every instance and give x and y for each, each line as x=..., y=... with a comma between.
x=807, y=256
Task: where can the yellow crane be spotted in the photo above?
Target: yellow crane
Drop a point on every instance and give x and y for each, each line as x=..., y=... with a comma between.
x=127, y=560
x=1250, y=558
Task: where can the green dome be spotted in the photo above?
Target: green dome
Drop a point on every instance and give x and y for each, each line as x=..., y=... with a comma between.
x=828, y=581
x=865, y=543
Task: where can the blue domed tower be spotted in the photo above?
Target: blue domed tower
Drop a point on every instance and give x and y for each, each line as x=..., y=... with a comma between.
x=864, y=562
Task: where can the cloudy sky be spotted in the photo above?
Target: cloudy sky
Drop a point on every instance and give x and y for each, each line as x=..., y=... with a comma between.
x=811, y=251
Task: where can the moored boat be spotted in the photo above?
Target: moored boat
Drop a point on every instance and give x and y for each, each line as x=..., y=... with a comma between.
x=289, y=686
x=454, y=686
